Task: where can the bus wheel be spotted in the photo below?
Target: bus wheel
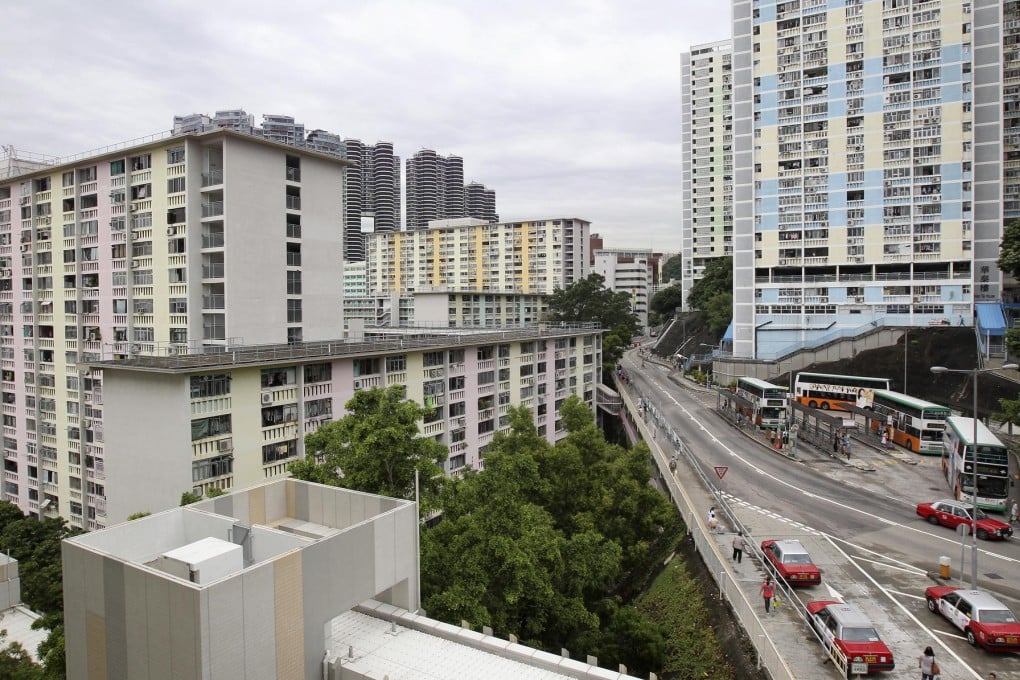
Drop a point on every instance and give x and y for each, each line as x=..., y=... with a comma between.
x=825, y=406
x=911, y=446
x=813, y=404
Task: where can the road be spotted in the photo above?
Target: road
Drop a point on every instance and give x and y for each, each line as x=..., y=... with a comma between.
x=857, y=519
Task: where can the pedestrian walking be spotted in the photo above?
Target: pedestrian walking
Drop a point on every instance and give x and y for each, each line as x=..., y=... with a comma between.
x=1014, y=513
x=768, y=591
x=738, y=546
x=712, y=521
x=885, y=440
x=786, y=437
x=929, y=668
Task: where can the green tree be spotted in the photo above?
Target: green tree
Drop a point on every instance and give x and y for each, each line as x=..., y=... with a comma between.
x=138, y=515
x=716, y=279
x=666, y=301
x=587, y=301
x=214, y=492
x=376, y=448
x=1013, y=341
x=16, y=663
x=1009, y=250
x=1010, y=412
x=672, y=269
x=719, y=312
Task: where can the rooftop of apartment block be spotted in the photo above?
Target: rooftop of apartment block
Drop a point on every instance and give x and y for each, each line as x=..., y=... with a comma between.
x=297, y=514
x=375, y=342
x=465, y=222
x=23, y=165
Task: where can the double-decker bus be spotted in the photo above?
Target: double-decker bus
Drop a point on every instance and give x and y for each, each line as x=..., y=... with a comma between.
x=824, y=391
x=992, y=464
x=914, y=424
x=768, y=401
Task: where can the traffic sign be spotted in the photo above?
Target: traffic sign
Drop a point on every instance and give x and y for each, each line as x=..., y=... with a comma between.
x=720, y=470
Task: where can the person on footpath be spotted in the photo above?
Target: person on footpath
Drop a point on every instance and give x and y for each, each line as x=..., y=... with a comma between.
x=768, y=591
x=739, y=543
x=712, y=521
x=929, y=669
x=1014, y=513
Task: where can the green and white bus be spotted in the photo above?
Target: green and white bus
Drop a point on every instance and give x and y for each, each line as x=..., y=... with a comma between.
x=913, y=423
x=769, y=402
x=992, y=464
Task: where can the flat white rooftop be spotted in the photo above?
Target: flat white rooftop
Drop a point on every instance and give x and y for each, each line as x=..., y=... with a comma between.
x=385, y=649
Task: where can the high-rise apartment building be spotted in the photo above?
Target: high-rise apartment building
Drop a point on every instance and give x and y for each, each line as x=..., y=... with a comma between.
x=707, y=138
x=868, y=163
x=435, y=191
x=533, y=257
x=372, y=200
x=634, y=272
x=1011, y=108
x=282, y=129
x=480, y=202
x=188, y=243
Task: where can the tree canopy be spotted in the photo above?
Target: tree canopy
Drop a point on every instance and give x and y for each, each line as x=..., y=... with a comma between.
x=715, y=280
x=1009, y=249
x=588, y=300
x=375, y=448
x=537, y=542
x=666, y=301
x=672, y=269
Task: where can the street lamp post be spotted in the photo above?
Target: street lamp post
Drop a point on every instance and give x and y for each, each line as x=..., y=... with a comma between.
x=973, y=459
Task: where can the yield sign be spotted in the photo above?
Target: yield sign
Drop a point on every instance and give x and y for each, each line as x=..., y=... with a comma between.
x=720, y=470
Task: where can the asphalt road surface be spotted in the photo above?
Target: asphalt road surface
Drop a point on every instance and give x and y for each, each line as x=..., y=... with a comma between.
x=857, y=518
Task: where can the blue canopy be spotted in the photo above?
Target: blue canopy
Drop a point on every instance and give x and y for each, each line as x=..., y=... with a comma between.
x=991, y=320
x=728, y=335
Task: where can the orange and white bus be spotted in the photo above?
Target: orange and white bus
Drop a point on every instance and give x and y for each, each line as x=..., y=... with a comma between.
x=834, y=392
x=913, y=423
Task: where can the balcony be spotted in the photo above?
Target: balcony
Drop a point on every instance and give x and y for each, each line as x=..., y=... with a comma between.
x=212, y=178
x=293, y=203
x=212, y=209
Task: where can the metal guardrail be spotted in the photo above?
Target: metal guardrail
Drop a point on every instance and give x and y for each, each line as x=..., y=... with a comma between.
x=654, y=429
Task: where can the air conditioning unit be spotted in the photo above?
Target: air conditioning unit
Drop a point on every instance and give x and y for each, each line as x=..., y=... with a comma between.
x=47, y=219
x=225, y=444
x=136, y=265
x=134, y=208
x=267, y=397
x=171, y=350
x=357, y=384
x=26, y=247
x=170, y=231
x=25, y=200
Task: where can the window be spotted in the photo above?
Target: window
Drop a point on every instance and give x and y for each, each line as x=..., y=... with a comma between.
x=293, y=283
x=88, y=174
x=294, y=335
x=210, y=427
x=293, y=254
x=293, y=311
x=117, y=167
x=457, y=382
x=212, y=467
x=178, y=305
x=432, y=359
x=175, y=185
x=176, y=246
x=143, y=162
x=317, y=373
x=213, y=385
x=319, y=407
x=397, y=363
x=142, y=306
x=277, y=415
x=173, y=156
x=141, y=191
x=273, y=453
x=277, y=377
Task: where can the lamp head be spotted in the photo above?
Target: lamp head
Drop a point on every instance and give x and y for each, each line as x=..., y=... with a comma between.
x=1009, y=366
x=939, y=369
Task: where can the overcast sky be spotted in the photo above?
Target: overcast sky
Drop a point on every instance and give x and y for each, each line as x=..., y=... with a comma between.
x=564, y=108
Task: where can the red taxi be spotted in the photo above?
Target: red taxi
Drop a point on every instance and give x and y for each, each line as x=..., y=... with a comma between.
x=983, y=619
x=850, y=637
x=952, y=514
x=792, y=562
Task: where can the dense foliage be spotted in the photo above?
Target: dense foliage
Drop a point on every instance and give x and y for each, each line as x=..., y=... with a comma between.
x=672, y=269
x=1009, y=249
x=587, y=301
x=545, y=541
x=713, y=294
x=376, y=448
x=35, y=544
x=666, y=301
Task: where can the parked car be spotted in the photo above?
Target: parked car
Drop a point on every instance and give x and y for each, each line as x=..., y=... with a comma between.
x=983, y=619
x=849, y=634
x=952, y=514
x=792, y=562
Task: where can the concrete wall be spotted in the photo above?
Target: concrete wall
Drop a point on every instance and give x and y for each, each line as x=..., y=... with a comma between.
x=136, y=480
x=729, y=369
